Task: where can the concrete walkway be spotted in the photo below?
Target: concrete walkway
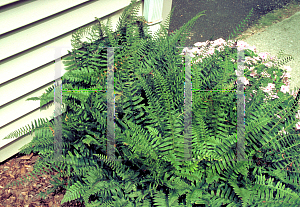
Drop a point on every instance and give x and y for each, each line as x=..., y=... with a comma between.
x=284, y=36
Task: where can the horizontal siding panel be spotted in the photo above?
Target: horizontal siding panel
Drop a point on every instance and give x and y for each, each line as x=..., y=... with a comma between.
x=13, y=148
x=28, y=62
x=32, y=71
x=13, y=110
x=56, y=26
x=16, y=17
x=27, y=83
x=9, y=147
x=5, y=2
x=19, y=109
x=32, y=59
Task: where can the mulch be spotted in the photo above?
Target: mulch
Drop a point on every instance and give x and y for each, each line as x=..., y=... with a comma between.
x=26, y=195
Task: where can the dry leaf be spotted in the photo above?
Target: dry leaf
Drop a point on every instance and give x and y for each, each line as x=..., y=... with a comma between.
x=26, y=157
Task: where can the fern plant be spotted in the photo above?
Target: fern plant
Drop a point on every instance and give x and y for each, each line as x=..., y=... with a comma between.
x=150, y=168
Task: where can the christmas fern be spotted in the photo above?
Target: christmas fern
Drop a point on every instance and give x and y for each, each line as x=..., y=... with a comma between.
x=150, y=168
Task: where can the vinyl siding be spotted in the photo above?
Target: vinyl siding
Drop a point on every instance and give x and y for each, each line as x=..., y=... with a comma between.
x=28, y=32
